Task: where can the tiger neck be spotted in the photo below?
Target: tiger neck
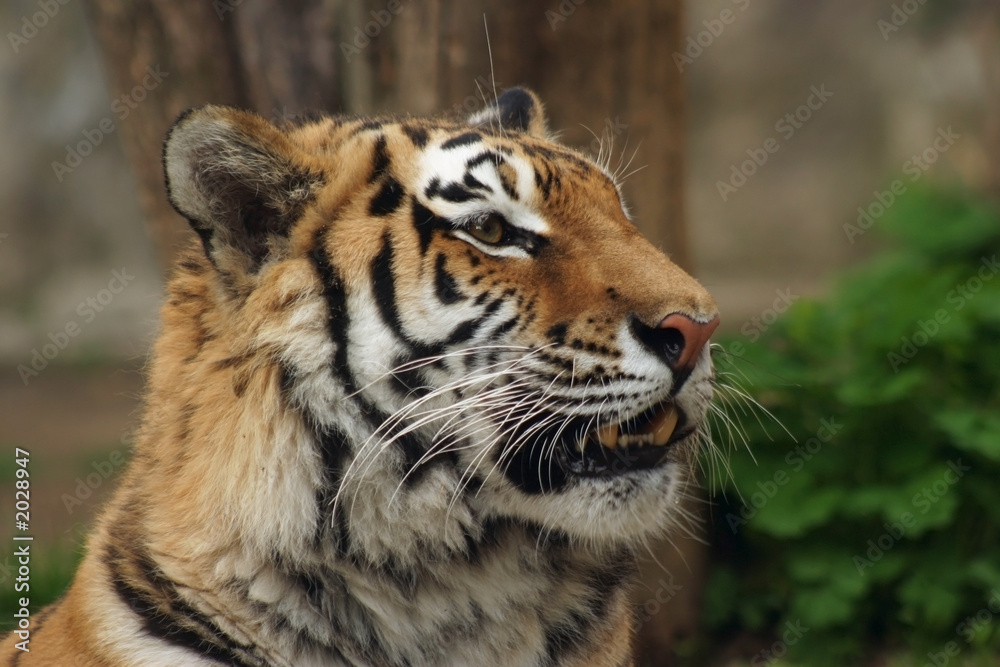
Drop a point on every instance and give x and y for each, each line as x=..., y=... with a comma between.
x=535, y=594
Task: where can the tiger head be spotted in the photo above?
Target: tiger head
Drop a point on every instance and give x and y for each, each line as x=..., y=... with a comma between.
x=452, y=321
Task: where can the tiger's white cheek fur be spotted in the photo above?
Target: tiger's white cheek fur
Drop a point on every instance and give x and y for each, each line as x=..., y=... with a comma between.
x=449, y=166
x=373, y=347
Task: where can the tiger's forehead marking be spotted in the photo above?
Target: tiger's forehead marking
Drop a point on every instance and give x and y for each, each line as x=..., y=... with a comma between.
x=470, y=174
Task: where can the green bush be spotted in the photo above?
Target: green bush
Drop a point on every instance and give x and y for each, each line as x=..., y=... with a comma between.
x=871, y=518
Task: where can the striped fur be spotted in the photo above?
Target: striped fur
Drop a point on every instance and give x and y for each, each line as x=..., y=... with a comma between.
x=352, y=451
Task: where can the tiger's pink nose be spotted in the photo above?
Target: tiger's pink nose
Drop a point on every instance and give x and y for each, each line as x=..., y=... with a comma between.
x=684, y=339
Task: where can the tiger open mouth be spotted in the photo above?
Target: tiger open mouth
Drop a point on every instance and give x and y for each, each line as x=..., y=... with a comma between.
x=640, y=443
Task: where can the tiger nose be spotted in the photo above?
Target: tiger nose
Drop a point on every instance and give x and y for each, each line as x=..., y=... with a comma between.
x=683, y=339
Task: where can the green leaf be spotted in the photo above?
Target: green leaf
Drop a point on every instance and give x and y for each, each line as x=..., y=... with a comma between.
x=972, y=430
x=931, y=598
x=796, y=508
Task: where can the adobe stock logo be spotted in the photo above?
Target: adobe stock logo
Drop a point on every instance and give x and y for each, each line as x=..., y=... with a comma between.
x=562, y=12
x=786, y=126
x=915, y=168
x=755, y=326
x=85, y=486
x=696, y=44
x=362, y=37
x=122, y=107
x=796, y=459
x=901, y=13
x=59, y=340
x=957, y=298
x=37, y=21
x=897, y=530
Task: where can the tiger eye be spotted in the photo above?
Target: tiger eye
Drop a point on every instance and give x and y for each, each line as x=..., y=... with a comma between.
x=489, y=230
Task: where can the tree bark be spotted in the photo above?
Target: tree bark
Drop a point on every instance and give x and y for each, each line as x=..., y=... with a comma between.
x=196, y=57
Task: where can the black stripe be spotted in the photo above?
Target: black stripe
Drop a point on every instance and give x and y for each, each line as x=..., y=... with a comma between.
x=462, y=140
x=605, y=582
x=384, y=286
x=529, y=242
x=410, y=382
x=574, y=631
x=471, y=181
x=286, y=382
x=417, y=135
x=334, y=449
x=413, y=449
x=338, y=320
x=473, y=485
x=488, y=312
x=555, y=360
x=463, y=332
x=468, y=328
x=454, y=192
x=426, y=222
x=192, y=265
x=526, y=466
x=486, y=156
x=444, y=284
x=166, y=616
x=491, y=532
x=557, y=333
x=491, y=309
x=508, y=187
x=564, y=635
x=312, y=587
x=540, y=183
x=342, y=536
x=432, y=188
x=504, y=327
x=388, y=198
x=380, y=159
x=554, y=155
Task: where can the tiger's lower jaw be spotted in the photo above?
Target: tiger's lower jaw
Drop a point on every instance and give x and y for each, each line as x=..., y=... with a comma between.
x=577, y=451
x=644, y=443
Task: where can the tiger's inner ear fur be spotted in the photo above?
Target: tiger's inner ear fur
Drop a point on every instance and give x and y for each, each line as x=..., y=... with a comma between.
x=238, y=180
x=517, y=109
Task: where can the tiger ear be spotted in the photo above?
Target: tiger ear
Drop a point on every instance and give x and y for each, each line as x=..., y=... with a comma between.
x=238, y=180
x=517, y=109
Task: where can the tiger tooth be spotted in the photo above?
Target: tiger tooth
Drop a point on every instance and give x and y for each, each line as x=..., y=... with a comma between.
x=608, y=436
x=664, y=425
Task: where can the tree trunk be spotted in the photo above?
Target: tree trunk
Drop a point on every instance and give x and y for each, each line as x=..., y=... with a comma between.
x=605, y=70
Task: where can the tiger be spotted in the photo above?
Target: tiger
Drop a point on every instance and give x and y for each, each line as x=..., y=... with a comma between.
x=421, y=392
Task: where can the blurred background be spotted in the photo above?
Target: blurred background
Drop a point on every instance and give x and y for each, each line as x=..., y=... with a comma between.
x=829, y=170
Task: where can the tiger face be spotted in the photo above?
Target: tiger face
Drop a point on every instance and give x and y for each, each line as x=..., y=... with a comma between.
x=463, y=314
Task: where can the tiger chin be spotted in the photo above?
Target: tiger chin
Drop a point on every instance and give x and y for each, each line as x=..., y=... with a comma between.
x=421, y=391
